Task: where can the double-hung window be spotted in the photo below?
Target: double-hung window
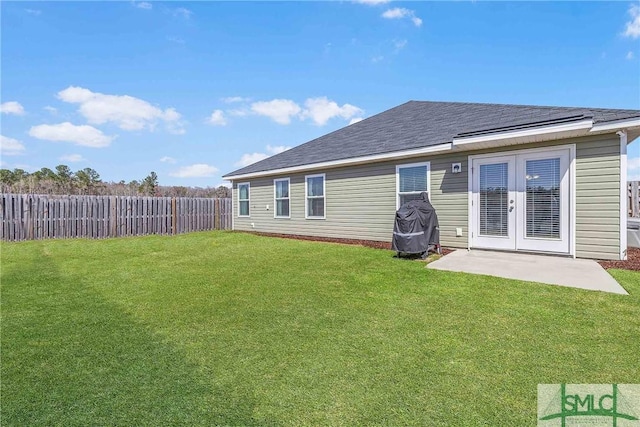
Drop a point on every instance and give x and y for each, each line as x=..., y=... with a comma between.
x=243, y=199
x=314, y=199
x=411, y=180
x=281, y=197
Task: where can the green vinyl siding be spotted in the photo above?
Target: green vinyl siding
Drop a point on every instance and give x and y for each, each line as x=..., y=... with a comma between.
x=361, y=200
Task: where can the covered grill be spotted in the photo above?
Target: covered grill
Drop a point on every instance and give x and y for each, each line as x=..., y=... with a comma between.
x=416, y=229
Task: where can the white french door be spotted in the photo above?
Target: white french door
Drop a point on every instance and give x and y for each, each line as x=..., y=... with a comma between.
x=521, y=201
x=494, y=194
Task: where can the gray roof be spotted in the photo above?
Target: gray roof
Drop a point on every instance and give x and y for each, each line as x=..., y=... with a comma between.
x=418, y=124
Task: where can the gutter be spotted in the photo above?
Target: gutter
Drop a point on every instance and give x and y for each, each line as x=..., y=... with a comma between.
x=623, y=194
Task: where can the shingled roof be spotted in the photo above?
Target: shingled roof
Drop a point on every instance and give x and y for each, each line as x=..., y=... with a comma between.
x=419, y=124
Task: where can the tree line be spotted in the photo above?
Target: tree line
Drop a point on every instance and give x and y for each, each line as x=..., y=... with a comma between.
x=63, y=181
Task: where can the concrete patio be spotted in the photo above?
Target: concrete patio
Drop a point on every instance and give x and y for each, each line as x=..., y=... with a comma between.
x=552, y=270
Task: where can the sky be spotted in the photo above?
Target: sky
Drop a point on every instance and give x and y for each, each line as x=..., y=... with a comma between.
x=195, y=90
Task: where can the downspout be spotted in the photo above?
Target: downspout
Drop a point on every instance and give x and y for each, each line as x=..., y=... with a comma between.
x=233, y=213
x=623, y=194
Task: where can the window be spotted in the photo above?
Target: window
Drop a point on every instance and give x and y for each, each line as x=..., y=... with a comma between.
x=314, y=201
x=411, y=181
x=243, y=199
x=281, y=197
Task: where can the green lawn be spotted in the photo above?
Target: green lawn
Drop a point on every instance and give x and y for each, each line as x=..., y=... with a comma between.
x=235, y=329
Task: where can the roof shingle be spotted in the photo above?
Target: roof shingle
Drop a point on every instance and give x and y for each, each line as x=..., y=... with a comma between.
x=418, y=124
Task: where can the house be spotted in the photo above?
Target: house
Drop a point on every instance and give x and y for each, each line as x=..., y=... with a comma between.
x=506, y=177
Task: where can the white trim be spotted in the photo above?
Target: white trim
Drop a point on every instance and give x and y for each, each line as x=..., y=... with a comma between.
x=410, y=165
x=572, y=187
x=623, y=194
x=513, y=134
x=347, y=162
x=275, y=199
x=469, y=201
x=306, y=196
x=616, y=125
x=572, y=202
x=248, y=184
x=233, y=223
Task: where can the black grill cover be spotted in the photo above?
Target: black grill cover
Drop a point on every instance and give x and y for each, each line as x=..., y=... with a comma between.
x=416, y=228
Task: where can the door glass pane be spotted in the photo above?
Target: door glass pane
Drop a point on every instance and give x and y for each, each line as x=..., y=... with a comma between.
x=494, y=199
x=543, y=198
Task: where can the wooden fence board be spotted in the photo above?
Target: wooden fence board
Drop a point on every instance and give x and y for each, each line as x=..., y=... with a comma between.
x=34, y=217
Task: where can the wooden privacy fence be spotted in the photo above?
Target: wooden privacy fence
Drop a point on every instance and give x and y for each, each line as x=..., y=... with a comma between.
x=634, y=199
x=29, y=217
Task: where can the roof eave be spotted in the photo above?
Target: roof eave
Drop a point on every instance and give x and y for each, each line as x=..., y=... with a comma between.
x=498, y=139
x=523, y=136
x=344, y=162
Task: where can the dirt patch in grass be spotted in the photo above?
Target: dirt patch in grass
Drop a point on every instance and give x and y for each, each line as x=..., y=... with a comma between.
x=632, y=262
x=368, y=243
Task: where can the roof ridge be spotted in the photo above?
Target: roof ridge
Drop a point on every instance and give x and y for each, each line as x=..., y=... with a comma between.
x=494, y=104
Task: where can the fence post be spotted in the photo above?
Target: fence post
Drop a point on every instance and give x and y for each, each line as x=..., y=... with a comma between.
x=113, y=217
x=28, y=206
x=216, y=214
x=635, y=202
x=174, y=216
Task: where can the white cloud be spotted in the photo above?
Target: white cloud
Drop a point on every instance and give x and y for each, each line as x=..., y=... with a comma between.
x=321, y=110
x=377, y=58
x=250, y=158
x=10, y=146
x=12, y=107
x=199, y=170
x=629, y=55
x=35, y=12
x=355, y=120
x=239, y=112
x=84, y=135
x=632, y=28
x=279, y=110
x=372, y=2
x=399, y=45
x=400, y=13
x=167, y=159
x=234, y=99
x=277, y=149
x=143, y=5
x=51, y=109
x=217, y=118
x=127, y=112
x=72, y=158
x=182, y=12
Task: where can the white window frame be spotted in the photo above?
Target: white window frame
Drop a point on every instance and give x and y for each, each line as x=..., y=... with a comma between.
x=412, y=165
x=275, y=198
x=248, y=184
x=306, y=195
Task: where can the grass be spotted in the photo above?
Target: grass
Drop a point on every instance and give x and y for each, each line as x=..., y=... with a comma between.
x=233, y=329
